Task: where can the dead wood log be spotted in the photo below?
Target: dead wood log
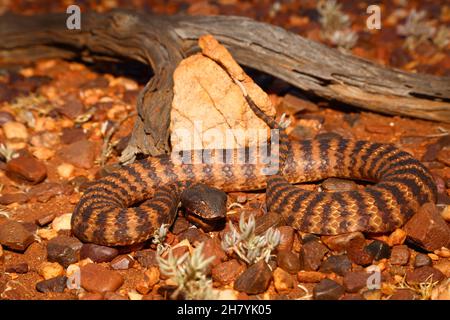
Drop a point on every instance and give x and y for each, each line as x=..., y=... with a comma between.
x=163, y=41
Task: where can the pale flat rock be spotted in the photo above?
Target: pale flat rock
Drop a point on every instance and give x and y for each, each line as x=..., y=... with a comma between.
x=209, y=109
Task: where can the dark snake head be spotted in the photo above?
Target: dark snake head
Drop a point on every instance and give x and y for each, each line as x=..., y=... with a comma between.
x=205, y=206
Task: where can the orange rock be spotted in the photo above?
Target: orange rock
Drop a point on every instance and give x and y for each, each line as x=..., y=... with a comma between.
x=95, y=278
x=310, y=276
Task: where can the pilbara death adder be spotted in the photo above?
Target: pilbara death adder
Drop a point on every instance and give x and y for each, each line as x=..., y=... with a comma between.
x=401, y=185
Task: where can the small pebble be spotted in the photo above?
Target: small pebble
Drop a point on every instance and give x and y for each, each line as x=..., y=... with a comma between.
x=15, y=236
x=64, y=250
x=98, y=253
x=95, y=278
x=81, y=154
x=114, y=296
x=444, y=267
x=47, y=234
x=227, y=272
x=357, y=254
x=310, y=276
x=91, y=296
x=404, y=294
x=422, y=260
x=378, y=250
x=339, y=264
x=255, y=279
x=311, y=255
x=65, y=170
x=397, y=237
x=287, y=238
x=27, y=169
x=283, y=280
x=288, y=261
x=422, y=274
x=355, y=281
x=122, y=262
x=57, y=284
x=62, y=222
x=428, y=229
x=400, y=255
x=15, y=131
x=44, y=220
x=372, y=294
x=152, y=276
x=49, y=270
x=340, y=242
x=17, y=268
x=147, y=258
x=328, y=290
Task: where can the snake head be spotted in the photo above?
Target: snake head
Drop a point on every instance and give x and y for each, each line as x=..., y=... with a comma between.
x=205, y=206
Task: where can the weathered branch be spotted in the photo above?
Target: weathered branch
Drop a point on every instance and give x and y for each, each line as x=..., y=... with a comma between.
x=161, y=42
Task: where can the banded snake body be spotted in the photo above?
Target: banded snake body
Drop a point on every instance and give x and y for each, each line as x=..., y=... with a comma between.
x=401, y=185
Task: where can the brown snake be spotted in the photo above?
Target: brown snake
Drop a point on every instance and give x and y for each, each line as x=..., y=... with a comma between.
x=402, y=185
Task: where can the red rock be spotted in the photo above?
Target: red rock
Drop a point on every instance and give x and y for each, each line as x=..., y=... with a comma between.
x=288, y=261
x=71, y=135
x=423, y=274
x=428, y=229
x=92, y=296
x=13, y=198
x=227, y=272
x=95, y=278
x=399, y=255
x=147, y=258
x=443, y=266
x=114, y=296
x=339, y=264
x=340, y=242
x=357, y=254
x=64, y=250
x=15, y=236
x=310, y=276
x=422, y=260
x=352, y=296
x=355, y=281
x=311, y=255
x=26, y=168
x=211, y=248
x=17, y=268
x=287, y=238
x=328, y=290
x=98, y=253
x=44, y=220
x=122, y=262
x=404, y=294
x=81, y=154
x=255, y=279
x=72, y=108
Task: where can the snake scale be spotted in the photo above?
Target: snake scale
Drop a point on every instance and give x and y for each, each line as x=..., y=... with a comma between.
x=401, y=185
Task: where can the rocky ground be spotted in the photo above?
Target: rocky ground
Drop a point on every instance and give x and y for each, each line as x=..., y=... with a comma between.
x=63, y=124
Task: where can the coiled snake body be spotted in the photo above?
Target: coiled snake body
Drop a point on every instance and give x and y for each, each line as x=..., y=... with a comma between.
x=402, y=185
